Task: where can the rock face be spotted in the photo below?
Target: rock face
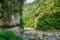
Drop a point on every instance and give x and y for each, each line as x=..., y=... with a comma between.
x=10, y=13
x=40, y=35
x=15, y=19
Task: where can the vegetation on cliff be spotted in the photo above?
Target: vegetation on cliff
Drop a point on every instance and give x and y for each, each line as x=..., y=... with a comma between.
x=10, y=8
x=42, y=14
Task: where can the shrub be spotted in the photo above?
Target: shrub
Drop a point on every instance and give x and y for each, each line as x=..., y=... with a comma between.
x=8, y=35
x=49, y=21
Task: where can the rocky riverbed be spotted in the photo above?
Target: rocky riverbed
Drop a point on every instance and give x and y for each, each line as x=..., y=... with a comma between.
x=41, y=35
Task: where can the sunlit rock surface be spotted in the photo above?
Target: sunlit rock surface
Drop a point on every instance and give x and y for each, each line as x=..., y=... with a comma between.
x=17, y=30
x=15, y=19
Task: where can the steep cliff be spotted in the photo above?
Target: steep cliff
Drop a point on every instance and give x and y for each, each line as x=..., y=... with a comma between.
x=11, y=12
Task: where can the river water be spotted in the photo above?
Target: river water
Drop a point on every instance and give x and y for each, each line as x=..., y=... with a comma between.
x=40, y=35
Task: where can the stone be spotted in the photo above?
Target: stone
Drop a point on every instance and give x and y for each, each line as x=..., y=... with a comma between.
x=15, y=19
x=10, y=18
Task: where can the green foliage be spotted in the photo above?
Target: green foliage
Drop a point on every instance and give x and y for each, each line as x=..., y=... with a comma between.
x=36, y=2
x=49, y=21
x=21, y=23
x=8, y=35
x=27, y=17
x=45, y=12
x=28, y=20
